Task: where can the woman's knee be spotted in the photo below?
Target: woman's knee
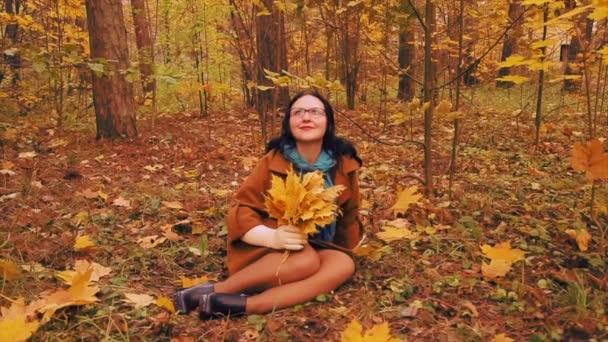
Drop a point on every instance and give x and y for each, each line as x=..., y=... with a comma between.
x=340, y=263
x=305, y=262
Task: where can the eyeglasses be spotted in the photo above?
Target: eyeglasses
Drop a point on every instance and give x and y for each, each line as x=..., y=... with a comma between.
x=314, y=112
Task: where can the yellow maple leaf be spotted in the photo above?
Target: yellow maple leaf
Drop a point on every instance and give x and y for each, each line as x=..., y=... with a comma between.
x=513, y=60
x=14, y=324
x=503, y=251
x=80, y=293
x=513, y=78
x=581, y=236
x=443, y=107
x=502, y=338
x=8, y=269
x=495, y=269
x=303, y=202
x=166, y=303
x=189, y=282
x=377, y=333
x=82, y=266
x=406, y=198
x=83, y=242
x=395, y=233
x=589, y=157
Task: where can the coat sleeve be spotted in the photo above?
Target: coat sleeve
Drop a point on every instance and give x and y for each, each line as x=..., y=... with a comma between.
x=350, y=229
x=247, y=207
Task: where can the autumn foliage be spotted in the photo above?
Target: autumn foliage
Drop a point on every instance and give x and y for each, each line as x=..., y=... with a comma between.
x=303, y=202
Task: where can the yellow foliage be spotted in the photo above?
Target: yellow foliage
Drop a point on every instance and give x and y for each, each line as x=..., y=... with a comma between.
x=302, y=202
x=165, y=303
x=503, y=251
x=14, y=325
x=513, y=60
x=581, y=236
x=513, y=78
x=377, y=333
x=83, y=242
x=590, y=157
x=495, y=269
x=8, y=269
x=406, y=198
x=80, y=293
x=189, y=282
x=502, y=338
x=394, y=233
x=81, y=266
x=443, y=107
x=502, y=256
x=600, y=10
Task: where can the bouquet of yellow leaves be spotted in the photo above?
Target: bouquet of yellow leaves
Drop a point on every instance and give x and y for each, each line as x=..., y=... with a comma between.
x=302, y=202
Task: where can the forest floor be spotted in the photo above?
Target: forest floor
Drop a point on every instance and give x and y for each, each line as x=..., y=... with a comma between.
x=179, y=178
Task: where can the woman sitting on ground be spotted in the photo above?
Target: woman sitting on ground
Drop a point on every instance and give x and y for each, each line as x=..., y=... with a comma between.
x=256, y=246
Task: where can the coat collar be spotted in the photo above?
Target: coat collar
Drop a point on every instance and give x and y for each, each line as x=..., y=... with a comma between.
x=279, y=164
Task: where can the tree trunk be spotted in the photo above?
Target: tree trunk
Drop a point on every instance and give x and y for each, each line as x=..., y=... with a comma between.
x=112, y=94
x=428, y=94
x=541, y=78
x=12, y=33
x=268, y=43
x=571, y=52
x=243, y=43
x=350, y=37
x=510, y=45
x=145, y=46
x=407, y=53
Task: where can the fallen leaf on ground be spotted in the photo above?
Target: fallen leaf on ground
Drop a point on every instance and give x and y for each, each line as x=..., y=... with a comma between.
x=27, y=155
x=139, y=300
x=166, y=303
x=189, y=282
x=8, y=269
x=121, y=202
x=172, y=205
x=81, y=266
x=581, y=236
x=503, y=251
x=501, y=256
x=379, y=332
x=14, y=324
x=80, y=293
x=405, y=199
x=502, y=338
x=151, y=241
x=83, y=242
x=393, y=233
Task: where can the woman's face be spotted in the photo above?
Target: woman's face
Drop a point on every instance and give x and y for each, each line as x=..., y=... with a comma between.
x=307, y=120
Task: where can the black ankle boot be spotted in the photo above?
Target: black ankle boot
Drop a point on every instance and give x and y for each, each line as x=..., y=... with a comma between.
x=187, y=299
x=215, y=305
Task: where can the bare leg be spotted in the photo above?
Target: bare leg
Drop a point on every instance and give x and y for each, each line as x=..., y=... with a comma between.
x=262, y=274
x=336, y=268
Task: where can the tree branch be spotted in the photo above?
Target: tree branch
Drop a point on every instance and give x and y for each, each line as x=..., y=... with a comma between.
x=375, y=138
x=417, y=15
x=477, y=60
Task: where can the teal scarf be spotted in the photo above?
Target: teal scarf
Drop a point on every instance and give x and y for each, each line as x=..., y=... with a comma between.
x=324, y=163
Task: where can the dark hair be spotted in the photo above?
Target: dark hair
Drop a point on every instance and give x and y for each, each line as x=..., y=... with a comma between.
x=337, y=146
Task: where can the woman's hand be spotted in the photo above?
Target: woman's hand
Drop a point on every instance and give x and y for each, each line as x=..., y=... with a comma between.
x=288, y=237
x=284, y=237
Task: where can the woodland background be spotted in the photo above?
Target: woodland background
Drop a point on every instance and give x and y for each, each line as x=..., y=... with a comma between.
x=126, y=126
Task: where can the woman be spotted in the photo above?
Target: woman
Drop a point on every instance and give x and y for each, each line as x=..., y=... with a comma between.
x=256, y=245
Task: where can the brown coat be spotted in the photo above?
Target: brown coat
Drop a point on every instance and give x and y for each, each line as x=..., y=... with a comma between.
x=247, y=209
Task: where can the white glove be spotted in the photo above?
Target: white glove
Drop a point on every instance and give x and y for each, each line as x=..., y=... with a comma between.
x=284, y=237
